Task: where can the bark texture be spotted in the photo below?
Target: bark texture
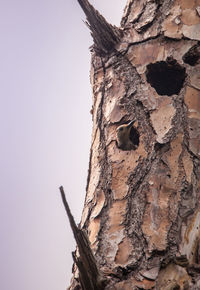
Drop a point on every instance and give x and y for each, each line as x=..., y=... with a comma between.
x=142, y=207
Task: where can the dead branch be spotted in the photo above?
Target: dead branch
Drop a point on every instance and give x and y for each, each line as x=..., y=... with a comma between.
x=105, y=35
x=90, y=277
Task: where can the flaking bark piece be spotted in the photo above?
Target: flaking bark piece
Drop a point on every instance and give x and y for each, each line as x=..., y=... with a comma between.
x=89, y=275
x=105, y=35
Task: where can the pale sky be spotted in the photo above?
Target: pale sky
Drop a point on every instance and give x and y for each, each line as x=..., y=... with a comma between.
x=45, y=129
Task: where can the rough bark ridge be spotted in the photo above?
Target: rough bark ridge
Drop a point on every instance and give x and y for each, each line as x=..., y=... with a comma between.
x=142, y=207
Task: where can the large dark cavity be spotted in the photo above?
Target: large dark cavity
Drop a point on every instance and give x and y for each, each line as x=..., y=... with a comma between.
x=166, y=77
x=192, y=56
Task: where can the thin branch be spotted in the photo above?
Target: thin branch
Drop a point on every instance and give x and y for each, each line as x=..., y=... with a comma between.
x=69, y=214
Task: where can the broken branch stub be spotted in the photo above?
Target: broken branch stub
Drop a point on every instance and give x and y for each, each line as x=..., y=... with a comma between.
x=89, y=275
x=105, y=35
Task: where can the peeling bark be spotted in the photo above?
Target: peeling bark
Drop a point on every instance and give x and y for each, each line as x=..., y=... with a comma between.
x=142, y=206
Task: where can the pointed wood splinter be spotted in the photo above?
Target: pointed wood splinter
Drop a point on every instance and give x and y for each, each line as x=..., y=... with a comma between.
x=90, y=278
x=105, y=35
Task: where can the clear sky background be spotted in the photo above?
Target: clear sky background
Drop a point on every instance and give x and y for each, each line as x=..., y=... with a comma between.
x=45, y=134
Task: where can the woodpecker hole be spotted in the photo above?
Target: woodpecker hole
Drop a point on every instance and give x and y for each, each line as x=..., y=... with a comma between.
x=192, y=56
x=134, y=136
x=166, y=77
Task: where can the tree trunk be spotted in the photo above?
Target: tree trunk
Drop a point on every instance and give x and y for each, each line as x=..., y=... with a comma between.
x=142, y=206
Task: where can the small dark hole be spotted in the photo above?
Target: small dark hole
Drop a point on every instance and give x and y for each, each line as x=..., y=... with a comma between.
x=166, y=77
x=109, y=191
x=192, y=56
x=158, y=146
x=134, y=136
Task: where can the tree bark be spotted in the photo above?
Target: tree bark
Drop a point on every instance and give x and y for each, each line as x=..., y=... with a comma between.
x=142, y=206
